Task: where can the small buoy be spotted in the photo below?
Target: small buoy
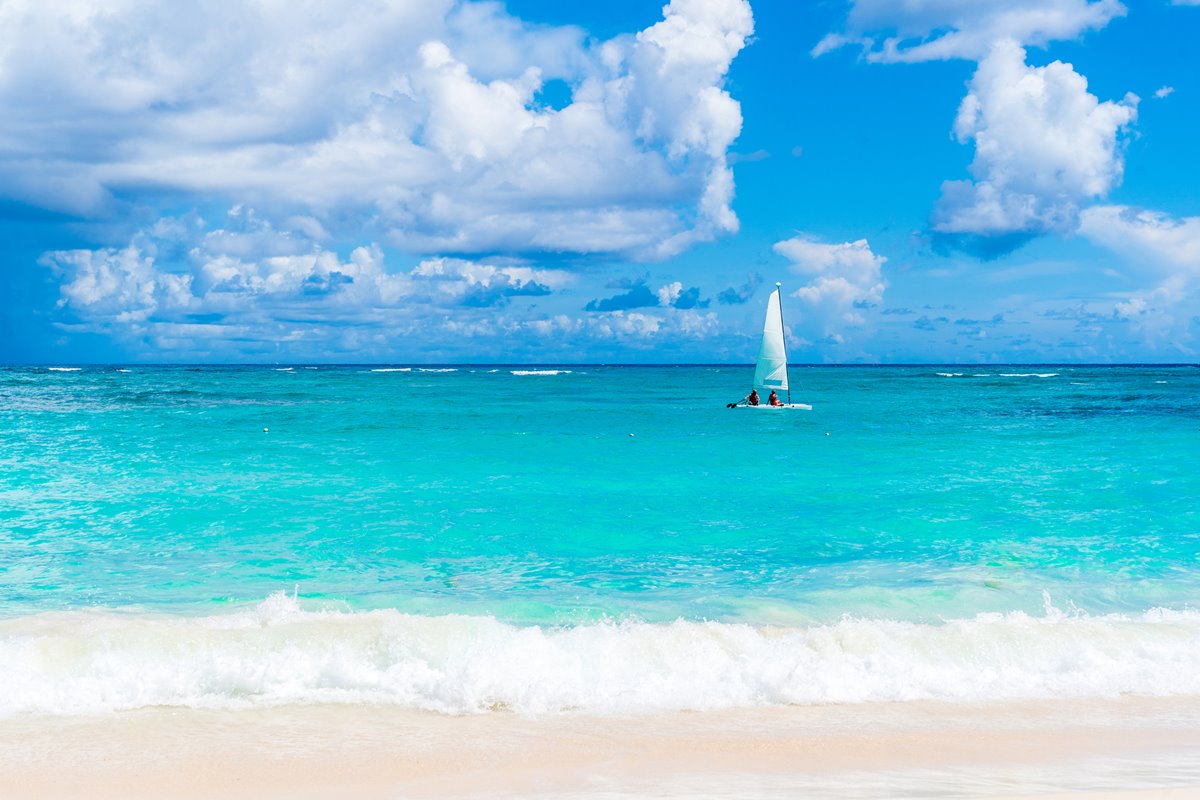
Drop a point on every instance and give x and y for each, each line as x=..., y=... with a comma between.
x=268, y=430
x=826, y=433
x=631, y=434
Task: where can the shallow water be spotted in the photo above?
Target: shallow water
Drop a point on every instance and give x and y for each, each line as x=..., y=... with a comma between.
x=1038, y=523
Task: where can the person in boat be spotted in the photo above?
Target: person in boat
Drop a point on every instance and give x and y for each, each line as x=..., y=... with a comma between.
x=752, y=398
x=773, y=400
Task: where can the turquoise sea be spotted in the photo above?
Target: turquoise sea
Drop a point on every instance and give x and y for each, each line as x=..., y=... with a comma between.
x=604, y=538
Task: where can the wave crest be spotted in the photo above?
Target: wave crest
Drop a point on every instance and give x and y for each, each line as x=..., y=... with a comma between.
x=277, y=653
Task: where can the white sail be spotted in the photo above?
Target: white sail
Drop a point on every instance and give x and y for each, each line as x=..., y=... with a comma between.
x=771, y=370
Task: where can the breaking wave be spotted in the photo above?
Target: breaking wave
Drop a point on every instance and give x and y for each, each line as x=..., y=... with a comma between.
x=278, y=653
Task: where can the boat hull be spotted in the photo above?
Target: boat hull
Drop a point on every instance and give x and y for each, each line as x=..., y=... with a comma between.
x=793, y=406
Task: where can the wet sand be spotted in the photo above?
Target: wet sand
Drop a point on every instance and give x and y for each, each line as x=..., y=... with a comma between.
x=1138, y=748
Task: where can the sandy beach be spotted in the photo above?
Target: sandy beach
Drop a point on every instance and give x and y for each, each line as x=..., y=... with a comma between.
x=1115, y=748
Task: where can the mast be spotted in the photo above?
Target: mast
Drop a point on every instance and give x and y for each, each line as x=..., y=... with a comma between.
x=783, y=338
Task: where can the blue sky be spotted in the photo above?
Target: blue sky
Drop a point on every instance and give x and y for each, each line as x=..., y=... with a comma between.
x=435, y=181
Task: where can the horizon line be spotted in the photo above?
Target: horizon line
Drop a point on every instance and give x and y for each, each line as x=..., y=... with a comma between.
x=799, y=364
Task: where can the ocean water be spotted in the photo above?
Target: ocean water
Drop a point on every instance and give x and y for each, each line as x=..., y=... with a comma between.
x=606, y=539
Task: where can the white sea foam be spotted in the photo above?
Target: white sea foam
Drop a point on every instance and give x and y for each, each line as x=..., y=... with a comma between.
x=541, y=372
x=1028, y=374
x=124, y=370
x=284, y=369
x=436, y=369
x=276, y=653
x=64, y=369
x=950, y=374
x=393, y=369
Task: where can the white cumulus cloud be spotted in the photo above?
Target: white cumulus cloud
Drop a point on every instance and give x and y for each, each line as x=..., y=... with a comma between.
x=246, y=289
x=842, y=278
x=1044, y=146
x=1154, y=241
x=250, y=276
x=247, y=283
x=459, y=281
x=1163, y=251
x=418, y=120
x=669, y=293
x=851, y=265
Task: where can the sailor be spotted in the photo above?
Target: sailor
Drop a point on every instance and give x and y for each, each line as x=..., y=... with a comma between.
x=752, y=398
x=773, y=400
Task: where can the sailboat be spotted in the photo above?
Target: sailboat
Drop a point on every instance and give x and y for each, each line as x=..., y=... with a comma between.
x=770, y=373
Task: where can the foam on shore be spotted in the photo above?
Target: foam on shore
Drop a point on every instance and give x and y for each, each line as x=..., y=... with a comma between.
x=278, y=653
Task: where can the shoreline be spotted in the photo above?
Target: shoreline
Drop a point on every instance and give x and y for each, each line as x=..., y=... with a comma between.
x=1126, y=747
